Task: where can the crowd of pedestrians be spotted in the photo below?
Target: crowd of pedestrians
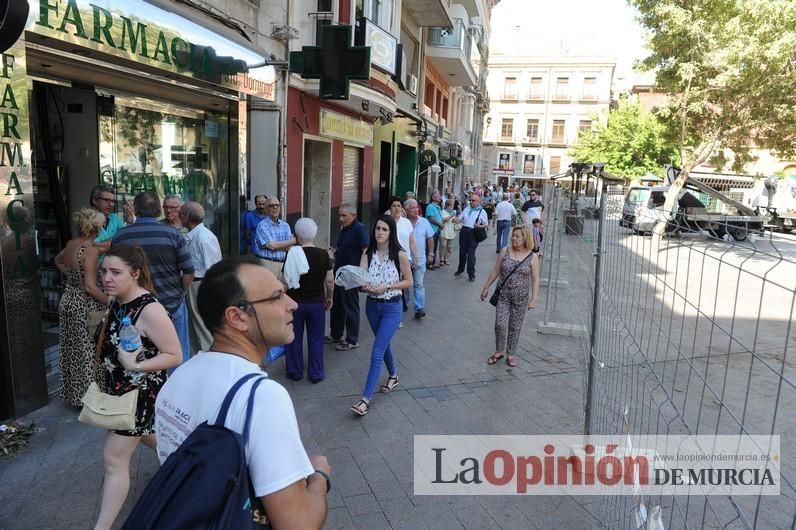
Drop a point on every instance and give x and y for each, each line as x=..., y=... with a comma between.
x=160, y=269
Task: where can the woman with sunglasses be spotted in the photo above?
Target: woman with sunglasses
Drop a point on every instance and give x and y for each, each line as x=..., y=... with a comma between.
x=126, y=277
x=390, y=272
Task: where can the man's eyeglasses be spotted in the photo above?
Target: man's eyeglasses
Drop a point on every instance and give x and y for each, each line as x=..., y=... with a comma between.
x=106, y=199
x=243, y=304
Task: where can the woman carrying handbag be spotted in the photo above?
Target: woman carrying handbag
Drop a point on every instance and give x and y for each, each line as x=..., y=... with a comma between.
x=126, y=277
x=80, y=305
x=518, y=269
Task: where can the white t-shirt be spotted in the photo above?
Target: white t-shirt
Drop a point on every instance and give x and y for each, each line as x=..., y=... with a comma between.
x=193, y=394
x=405, y=229
x=505, y=211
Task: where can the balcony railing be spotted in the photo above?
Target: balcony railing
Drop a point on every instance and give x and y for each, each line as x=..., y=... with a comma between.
x=455, y=37
x=317, y=22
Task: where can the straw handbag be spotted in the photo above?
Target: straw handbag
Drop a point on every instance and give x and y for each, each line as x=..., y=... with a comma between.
x=115, y=413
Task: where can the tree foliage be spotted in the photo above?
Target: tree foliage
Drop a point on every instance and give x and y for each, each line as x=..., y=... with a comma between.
x=631, y=142
x=730, y=69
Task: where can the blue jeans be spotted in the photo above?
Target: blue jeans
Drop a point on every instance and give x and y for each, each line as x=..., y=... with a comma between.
x=467, y=246
x=180, y=320
x=344, y=315
x=384, y=319
x=503, y=230
x=418, y=289
x=314, y=317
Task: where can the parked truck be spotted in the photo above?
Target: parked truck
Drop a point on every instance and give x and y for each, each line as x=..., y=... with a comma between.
x=777, y=203
x=700, y=209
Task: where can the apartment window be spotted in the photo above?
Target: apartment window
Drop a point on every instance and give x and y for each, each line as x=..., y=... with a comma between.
x=532, y=130
x=510, y=88
x=555, y=165
x=536, y=91
x=444, y=112
x=428, y=97
x=562, y=88
x=379, y=11
x=322, y=17
x=411, y=48
x=589, y=88
x=507, y=129
x=584, y=126
x=558, y=131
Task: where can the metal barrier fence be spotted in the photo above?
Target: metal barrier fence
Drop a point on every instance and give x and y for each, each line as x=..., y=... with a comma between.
x=688, y=334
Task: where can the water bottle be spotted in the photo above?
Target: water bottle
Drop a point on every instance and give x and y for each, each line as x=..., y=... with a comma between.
x=129, y=338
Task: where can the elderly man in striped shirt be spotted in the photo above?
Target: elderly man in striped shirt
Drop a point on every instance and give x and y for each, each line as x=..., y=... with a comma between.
x=274, y=239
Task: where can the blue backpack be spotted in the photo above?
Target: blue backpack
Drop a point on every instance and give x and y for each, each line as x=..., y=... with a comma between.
x=204, y=484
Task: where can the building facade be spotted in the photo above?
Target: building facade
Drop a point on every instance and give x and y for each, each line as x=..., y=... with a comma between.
x=538, y=106
x=138, y=96
x=454, y=100
x=196, y=99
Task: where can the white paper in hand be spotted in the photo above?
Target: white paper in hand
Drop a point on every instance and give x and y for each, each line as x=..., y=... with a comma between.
x=351, y=277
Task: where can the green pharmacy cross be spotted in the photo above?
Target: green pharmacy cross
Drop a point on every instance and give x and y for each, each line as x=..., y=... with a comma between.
x=335, y=62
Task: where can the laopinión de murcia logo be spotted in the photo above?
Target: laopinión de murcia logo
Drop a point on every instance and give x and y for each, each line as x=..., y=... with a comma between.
x=13, y=16
x=572, y=465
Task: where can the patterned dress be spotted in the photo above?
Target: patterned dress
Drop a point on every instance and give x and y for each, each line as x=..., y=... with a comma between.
x=119, y=381
x=78, y=355
x=512, y=303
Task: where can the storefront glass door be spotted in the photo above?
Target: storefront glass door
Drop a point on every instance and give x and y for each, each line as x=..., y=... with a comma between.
x=151, y=146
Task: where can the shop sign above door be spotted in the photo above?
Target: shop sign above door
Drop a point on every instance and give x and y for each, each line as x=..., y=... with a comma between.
x=428, y=157
x=383, y=47
x=141, y=32
x=341, y=127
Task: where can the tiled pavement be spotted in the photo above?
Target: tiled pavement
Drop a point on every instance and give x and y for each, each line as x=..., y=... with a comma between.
x=446, y=388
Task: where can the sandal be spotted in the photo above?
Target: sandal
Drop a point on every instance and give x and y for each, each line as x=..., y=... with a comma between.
x=360, y=408
x=494, y=358
x=511, y=361
x=390, y=385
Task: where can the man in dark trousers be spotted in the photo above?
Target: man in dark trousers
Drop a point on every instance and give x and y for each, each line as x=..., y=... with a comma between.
x=471, y=217
x=351, y=243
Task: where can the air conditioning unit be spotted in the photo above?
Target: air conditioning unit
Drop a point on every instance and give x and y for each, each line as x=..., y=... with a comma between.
x=284, y=33
x=411, y=84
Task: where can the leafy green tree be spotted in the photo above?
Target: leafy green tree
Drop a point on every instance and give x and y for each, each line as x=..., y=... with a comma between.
x=631, y=142
x=729, y=67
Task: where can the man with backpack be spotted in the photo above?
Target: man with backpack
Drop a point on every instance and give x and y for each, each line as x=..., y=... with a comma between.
x=245, y=308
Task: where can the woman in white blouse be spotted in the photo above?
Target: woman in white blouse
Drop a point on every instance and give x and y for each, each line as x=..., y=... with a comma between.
x=390, y=272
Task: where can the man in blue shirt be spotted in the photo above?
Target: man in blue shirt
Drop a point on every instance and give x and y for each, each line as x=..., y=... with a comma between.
x=169, y=261
x=103, y=199
x=252, y=219
x=273, y=239
x=434, y=216
x=351, y=243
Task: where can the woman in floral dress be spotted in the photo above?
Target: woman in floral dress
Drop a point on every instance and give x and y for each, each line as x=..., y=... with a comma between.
x=78, y=263
x=126, y=277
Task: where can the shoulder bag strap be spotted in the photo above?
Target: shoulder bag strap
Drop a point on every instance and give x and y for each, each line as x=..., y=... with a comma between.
x=517, y=266
x=101, y=337
x=222, y=414
x=249, y=407
x=103, y=328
